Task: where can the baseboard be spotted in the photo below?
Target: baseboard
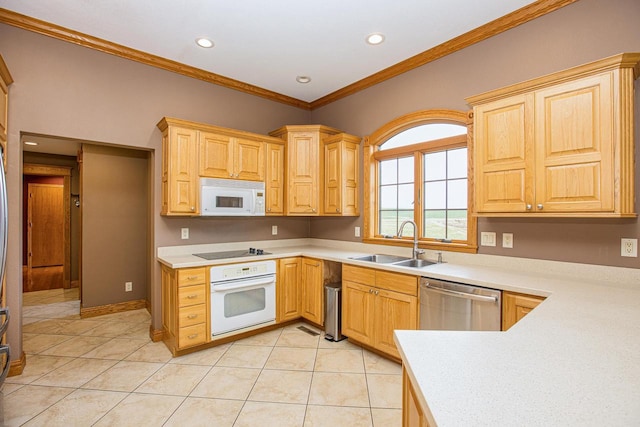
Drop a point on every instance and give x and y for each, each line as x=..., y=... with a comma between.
x=17, y=366
x=156, y=335
x=112, y=308
x=148, y=306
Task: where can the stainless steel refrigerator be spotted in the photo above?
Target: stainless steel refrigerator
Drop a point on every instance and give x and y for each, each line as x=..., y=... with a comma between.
x=4, y=311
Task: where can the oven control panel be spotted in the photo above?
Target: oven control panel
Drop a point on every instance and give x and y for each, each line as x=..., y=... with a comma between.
x=244, y=270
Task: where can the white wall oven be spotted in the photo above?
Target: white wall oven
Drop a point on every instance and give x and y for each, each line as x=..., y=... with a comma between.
x=242, y=295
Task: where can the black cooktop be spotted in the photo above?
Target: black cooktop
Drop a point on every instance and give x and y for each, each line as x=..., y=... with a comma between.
x=232, y=254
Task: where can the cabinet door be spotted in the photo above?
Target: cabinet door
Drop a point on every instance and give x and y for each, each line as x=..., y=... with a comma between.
x=393, y=311
x=412, y=412
x=504, y=155
x=516, y=306
x=288, y=289
x=312, y=291
x=248, y=159
x=350, y=178
x=357, y=312
x=575, y=146
x=216, y=156
x=332, y=199
x=303, y=169
x=182, y=171
x=274, y=182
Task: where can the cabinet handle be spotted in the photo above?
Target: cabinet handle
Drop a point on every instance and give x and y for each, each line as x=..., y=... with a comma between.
x=268, y=209
x=231, y=175
x=192, y=316
x=338, y=210
x=192, y=336
x=540, y=207
x=313, y=210
x=194, y=296
x=192, y=277
x=376, y=292
x=193, y=208
x=529, y=207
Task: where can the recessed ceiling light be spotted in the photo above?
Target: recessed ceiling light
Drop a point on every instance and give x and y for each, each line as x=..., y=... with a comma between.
x=375, y=38
x=30, y=143
x=303, y=79
x=204, y=42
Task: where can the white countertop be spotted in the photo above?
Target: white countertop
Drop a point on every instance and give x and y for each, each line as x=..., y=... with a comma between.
x=574, y=360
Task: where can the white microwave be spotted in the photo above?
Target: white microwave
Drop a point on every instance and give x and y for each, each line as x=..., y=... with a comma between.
x=230, y=197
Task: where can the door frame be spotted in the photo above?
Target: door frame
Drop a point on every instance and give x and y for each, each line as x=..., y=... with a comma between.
x=65, y=172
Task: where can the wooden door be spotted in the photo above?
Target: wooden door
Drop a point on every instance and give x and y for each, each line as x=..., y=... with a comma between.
x=216, y=155
x=312, y=291
x=288, y=289
x=575, y=146
x=274, y=181
x=357, y=312
x=504, y=155
x=303, y=173
x=332, y=200
x=183, y=171
x=393, y=310
x=350, y=178
x=248, y=159
x=45, y=225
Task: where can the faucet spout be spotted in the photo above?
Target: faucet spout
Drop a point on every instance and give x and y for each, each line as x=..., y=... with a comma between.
x=416, y=251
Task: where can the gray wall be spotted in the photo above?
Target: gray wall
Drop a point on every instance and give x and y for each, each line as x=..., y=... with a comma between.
x=582, y=32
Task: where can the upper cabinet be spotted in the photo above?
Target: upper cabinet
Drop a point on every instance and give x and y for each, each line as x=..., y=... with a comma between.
x=5, y=81
x=560, y=145
x=274, y=179
x=225, y=156
x=341, y=155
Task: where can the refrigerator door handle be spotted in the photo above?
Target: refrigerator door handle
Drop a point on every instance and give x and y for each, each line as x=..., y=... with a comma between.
x=3, y=327
x=7, y=363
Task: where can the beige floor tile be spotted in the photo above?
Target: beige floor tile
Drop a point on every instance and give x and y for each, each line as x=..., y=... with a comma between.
x=227, y=383
x=329, y=360
x=200, y=412
x=176, y=380
x=34, y=344
x=111, y=329
x=8, y=388
x=76, y=346
x=38, y=366
x=207, y=357
x=339, y=389
x=46, y=326
x=124, y=376
x=293, y=337
x=151, y=352
x=333, y=416
x=293, y=359
x=374, y=364
x=271, y=414
x=141, y=410
x=386, y=417
x=385, y=391
x=78, y=327
x=140, y=331
x=245, y=356
x=116, y=349
x=268, y=338
x=282, y=387
x=80, y=408
x=27, y=402
x=75, y=373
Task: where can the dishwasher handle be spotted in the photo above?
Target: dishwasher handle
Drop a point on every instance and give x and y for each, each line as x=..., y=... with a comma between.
x=459, y=294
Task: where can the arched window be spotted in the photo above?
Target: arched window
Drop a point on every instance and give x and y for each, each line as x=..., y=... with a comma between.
x=417, y=169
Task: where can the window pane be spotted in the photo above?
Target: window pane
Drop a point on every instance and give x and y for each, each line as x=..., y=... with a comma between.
x=405, y=196
x=435, y=224
x=457, y=163
x=408, y=229
x=423, y=133
x=389, y=171
x=435, y=166
x=457, y=225
x=389, y=197
x=435, y=195
x=457, y=194
x=405, y=169
x=388, y=223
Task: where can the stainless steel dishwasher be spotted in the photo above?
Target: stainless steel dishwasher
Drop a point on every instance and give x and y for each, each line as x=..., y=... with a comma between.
x=453, y=306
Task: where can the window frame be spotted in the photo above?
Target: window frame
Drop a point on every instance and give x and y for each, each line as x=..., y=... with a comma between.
x=373, y=155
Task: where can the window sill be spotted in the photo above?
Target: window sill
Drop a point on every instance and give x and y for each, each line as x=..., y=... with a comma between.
x=434, y=246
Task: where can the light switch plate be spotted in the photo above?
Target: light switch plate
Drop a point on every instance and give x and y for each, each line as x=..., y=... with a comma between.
x=507, y=240
x=184, y=233
x=488, y=238
x=357, y=231
x=274, y=230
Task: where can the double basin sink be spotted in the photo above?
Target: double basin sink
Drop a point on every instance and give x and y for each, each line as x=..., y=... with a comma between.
x=394, y=260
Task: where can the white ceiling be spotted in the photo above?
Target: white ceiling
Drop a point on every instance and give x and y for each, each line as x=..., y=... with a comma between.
x=269, y=43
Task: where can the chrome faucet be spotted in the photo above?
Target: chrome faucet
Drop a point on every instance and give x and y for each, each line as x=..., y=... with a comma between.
x=416, y=251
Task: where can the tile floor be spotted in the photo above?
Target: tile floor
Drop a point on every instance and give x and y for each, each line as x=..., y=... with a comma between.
x=104, y=371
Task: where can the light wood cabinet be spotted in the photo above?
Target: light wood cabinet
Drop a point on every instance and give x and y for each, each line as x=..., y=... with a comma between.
x=224, y=156
x=412, y=412
x=375, y=303
x=560, y=145
x=288, y=289
x=341, y=158
x=303, y=167
x=5, y=82
x=274, y=179
x=312, y=307
x=515, y=306
x=185, y=307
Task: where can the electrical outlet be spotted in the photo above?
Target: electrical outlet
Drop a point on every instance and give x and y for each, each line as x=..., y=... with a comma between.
x=274, y=230
x=488, y=238
x=357, y=231
x=629, y=247
x=128, y=286
x=185, y=233
x=507, y=240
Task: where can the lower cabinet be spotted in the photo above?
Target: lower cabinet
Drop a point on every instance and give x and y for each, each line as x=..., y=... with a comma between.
x=312, y=306
x=515, y=306
x=375, y=303
x=185, y=307
x=412, y=412
x=288, y=289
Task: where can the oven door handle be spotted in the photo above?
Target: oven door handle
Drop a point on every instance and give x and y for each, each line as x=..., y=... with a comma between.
x=242, y=284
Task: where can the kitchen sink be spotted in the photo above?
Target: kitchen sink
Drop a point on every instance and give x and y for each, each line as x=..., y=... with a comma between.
x=381, y=258
x=415, y=263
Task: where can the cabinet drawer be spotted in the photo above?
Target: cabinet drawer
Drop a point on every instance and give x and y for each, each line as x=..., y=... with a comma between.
x=192, y=335
x=192, y=315
x=191, y=276
x=192, y=295
x=366, y=276
x=397, y=282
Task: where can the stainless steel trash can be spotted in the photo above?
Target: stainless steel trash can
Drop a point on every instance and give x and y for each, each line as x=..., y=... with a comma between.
x=333, y=312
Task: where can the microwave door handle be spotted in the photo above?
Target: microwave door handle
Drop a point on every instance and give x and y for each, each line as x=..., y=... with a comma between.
x=242, y=284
